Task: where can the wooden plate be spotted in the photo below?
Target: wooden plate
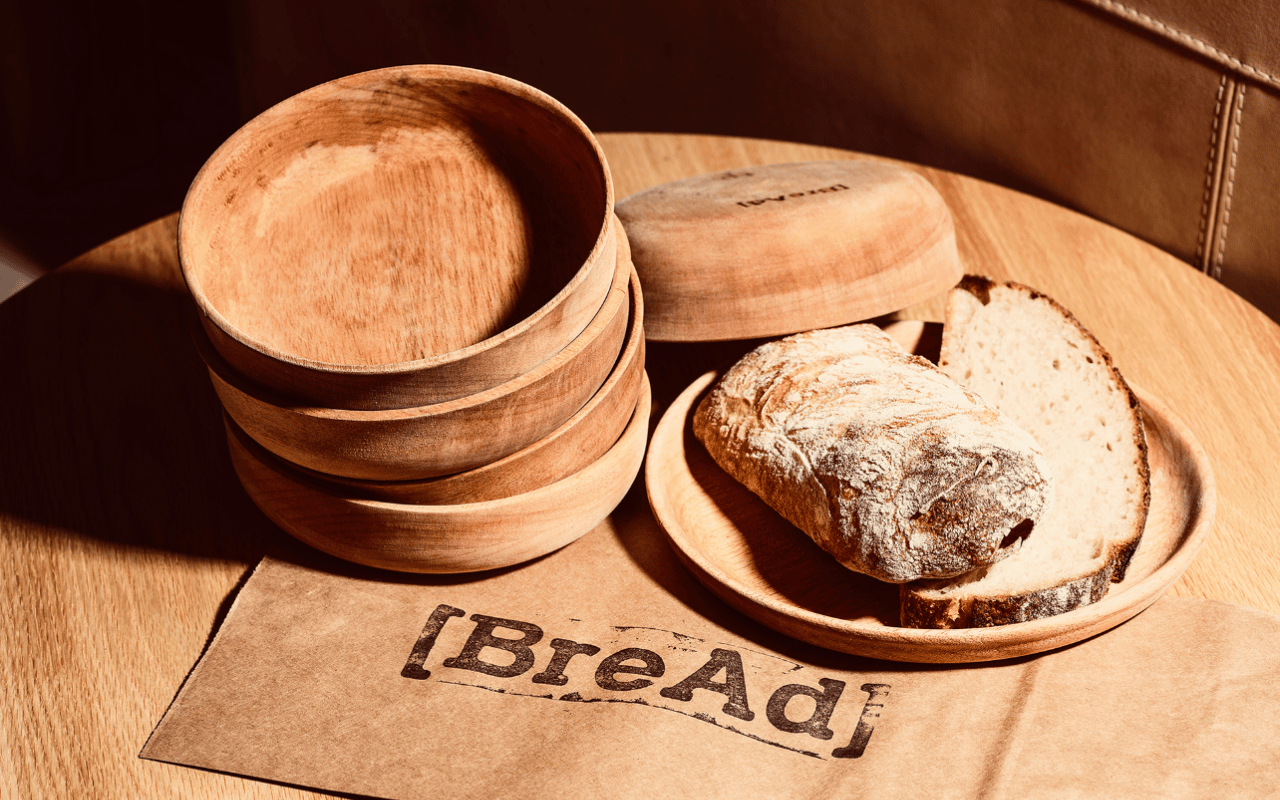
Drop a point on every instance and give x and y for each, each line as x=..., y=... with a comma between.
x=760, y=564
x=400, y=237
x=584, y=438
x=439, y=439
x=443, y=538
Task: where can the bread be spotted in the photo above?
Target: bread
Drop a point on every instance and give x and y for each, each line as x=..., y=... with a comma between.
x=884, y=461
x=1032, y=359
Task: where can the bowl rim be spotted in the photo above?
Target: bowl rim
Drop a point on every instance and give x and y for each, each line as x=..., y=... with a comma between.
x=623, y=279
x=236, y=142
x=637, y=417
x=631, y=357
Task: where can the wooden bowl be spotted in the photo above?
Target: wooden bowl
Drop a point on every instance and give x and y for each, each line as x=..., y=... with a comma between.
x=759, y=563
x=443, y=538
x=399, y=237
x=442, y=438
x=584, y=438
x=781, y=248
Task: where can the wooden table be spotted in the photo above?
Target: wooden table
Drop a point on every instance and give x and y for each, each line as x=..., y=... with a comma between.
x=123, y=532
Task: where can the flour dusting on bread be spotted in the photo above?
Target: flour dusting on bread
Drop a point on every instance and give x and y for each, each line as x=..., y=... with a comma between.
x=887, y=463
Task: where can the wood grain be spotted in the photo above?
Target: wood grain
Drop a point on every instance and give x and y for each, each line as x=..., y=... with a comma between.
x=464, y=537
x=400, y=237
x=442, y=438
x=785, y=248
x=124, y=531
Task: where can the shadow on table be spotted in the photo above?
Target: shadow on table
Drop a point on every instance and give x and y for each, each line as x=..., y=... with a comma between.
x=111, y=426
x=113, y=432
x=645, y=543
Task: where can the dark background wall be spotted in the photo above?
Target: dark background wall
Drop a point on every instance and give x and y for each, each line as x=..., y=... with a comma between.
x=109, y=109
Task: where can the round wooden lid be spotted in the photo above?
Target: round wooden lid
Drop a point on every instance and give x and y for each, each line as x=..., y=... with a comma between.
x=777, y=249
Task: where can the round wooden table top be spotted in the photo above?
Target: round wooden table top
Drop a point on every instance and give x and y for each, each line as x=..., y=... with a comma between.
x=123, y=531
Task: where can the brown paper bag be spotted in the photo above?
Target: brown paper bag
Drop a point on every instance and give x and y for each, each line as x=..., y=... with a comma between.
x=605, y=669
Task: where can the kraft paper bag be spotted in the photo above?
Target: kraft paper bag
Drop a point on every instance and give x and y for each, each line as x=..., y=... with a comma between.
x=606, y=670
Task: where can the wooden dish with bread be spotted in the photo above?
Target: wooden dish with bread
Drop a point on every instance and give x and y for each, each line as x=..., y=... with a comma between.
x=884, y=528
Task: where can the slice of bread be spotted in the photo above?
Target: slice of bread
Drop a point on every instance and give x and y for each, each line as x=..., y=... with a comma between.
x=1029, y=357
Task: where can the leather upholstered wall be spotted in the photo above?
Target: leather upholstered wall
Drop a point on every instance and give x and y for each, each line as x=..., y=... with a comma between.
x=1158, y=116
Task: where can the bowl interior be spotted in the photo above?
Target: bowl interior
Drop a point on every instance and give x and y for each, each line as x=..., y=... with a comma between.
x=393, y=216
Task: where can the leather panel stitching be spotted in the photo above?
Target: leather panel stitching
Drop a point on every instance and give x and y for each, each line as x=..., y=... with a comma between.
x=1210, y=173
x=1199, y=45
x=1231, y=181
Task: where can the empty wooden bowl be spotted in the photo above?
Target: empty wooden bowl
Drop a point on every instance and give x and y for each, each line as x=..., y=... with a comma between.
x=442, y=438
x=399, y=237
x=584, y=438
x=443, y=538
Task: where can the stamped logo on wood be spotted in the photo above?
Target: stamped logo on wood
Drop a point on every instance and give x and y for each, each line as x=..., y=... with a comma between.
x=778, y=198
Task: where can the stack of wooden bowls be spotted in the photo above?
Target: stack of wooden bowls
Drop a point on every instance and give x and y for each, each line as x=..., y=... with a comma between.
x=421, y=317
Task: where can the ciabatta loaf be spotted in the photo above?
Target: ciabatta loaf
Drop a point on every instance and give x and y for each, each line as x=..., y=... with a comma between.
x=1032, y=359
x=884, y=461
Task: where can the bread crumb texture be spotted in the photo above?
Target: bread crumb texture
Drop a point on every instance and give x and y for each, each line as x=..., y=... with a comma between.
x=1031, y=358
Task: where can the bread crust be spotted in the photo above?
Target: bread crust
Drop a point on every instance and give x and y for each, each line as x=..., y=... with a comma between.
x=920, y=610
x=882, y=460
